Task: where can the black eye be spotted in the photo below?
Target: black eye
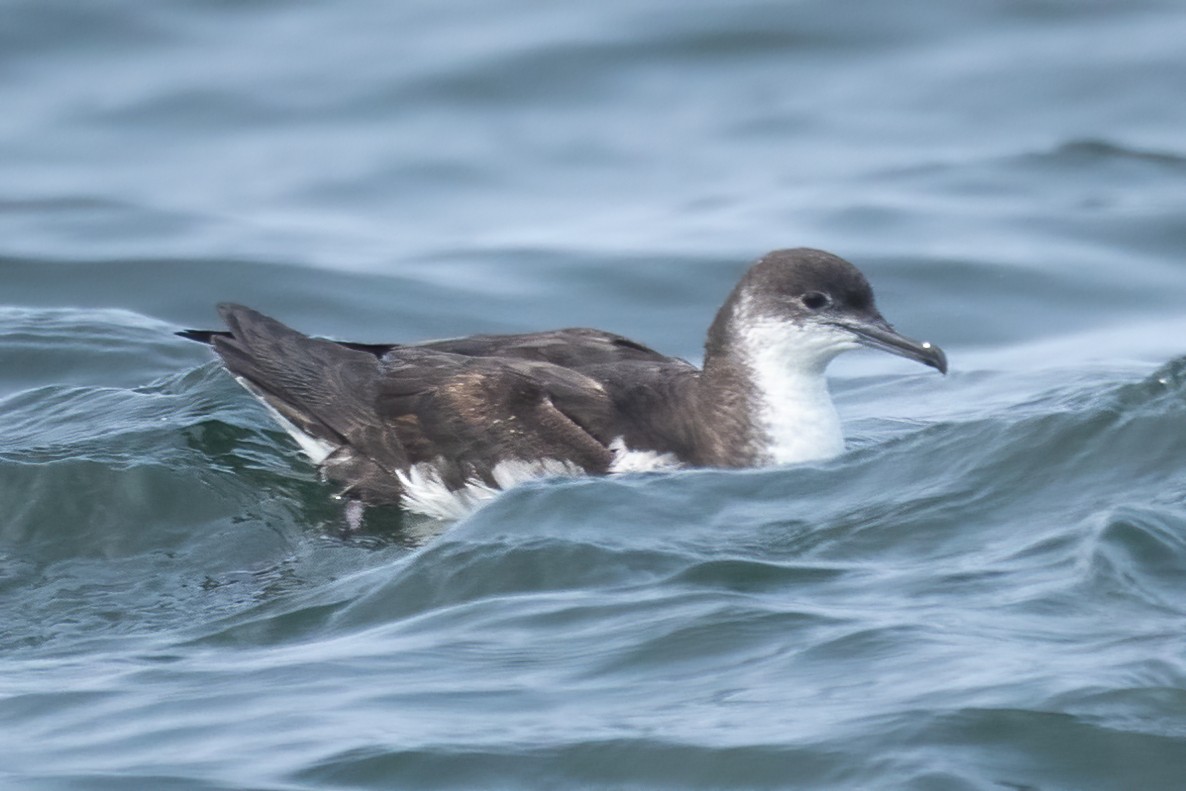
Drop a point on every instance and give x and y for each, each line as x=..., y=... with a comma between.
x=816, y=300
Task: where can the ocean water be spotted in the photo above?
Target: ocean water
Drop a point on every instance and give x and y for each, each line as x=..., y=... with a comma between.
x=987, y=591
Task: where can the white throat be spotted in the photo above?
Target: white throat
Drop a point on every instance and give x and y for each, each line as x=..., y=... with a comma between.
x=795, y=409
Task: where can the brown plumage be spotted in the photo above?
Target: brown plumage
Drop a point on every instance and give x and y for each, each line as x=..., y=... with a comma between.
x=377, y=415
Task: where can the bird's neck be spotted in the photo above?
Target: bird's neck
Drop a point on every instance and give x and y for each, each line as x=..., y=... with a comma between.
x=794, y=409
x=770, y=396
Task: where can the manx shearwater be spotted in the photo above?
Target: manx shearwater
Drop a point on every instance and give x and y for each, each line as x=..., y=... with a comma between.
x=439, y=427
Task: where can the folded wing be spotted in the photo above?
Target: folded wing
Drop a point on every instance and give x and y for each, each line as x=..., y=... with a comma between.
x=377, y=416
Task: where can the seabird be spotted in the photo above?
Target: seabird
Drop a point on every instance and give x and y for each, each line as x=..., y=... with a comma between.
x=441, y=426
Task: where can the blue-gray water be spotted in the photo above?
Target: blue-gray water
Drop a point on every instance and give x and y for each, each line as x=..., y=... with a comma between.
x=988, y=591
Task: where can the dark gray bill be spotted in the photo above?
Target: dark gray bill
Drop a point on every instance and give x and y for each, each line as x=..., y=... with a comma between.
x=878, y=334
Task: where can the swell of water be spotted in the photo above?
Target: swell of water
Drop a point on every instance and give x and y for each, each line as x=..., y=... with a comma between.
x=949, y=613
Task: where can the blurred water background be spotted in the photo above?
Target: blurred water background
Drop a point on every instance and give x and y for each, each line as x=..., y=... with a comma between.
x=988, y=591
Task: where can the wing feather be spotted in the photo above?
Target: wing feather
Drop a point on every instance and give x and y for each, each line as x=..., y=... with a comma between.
x=466, y=415
x=462, y=414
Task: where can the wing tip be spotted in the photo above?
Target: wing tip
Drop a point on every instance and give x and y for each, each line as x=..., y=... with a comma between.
x=201, y=336
x=231, y=313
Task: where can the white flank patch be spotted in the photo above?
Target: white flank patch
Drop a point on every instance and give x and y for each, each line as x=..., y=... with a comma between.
x=425, y=492
x=626, y=460
x=318, y=450
x=513, y=473
x=788, y=362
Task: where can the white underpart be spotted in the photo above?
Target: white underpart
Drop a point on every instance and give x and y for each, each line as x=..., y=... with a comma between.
x=796, y=411
x=627, y=460
x=425, y=492
x=318, y=450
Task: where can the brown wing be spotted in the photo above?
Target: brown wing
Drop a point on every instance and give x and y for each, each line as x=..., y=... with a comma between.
x=418, y=404
x=464, y=414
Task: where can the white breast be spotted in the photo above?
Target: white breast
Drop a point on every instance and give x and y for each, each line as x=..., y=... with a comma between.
x=795, y=409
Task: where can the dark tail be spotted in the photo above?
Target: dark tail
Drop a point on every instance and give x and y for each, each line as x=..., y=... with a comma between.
x=326, y=389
